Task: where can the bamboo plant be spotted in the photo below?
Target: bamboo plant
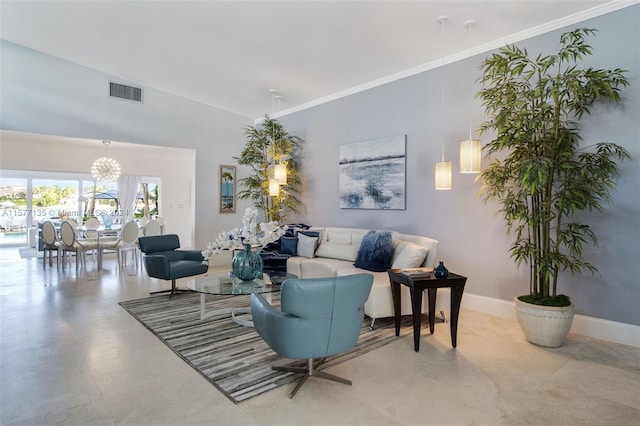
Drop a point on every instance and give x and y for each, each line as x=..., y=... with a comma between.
x=541, y=175
x=266, y=146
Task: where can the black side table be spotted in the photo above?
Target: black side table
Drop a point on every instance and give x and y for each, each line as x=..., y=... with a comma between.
x=431, y=284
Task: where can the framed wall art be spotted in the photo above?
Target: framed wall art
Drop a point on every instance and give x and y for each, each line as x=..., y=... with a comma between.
x=227, y=189
x=372, y=174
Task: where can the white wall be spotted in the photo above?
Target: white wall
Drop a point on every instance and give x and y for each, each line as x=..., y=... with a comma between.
x=174, y=166
x=473, y=241
x=45, y=95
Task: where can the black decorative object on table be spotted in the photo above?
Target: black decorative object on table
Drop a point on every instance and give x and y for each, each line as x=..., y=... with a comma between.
x=441, y=271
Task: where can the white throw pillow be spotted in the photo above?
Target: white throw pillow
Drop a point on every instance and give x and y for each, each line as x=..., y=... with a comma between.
x=410, y=256
x=306, y=245
x=398, y=245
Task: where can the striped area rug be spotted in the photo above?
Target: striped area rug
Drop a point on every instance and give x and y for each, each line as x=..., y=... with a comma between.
x=232, y=357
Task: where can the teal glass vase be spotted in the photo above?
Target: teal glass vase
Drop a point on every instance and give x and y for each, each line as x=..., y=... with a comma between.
x=247, y=265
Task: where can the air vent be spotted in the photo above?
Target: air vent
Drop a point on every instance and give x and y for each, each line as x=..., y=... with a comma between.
x=122, y=91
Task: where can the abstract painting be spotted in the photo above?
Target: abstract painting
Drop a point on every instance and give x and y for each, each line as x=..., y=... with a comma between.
x=372, y=174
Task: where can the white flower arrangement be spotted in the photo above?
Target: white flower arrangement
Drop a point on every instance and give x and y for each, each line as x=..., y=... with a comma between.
x=250, y=233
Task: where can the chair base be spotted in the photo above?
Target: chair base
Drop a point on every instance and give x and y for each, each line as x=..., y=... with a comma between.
x=310, y=370
x=173, y=290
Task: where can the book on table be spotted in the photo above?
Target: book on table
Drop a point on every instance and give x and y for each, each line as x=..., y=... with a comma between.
x=417, y=272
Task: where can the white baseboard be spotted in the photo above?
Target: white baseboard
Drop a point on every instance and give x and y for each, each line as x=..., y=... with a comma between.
x=617, y=332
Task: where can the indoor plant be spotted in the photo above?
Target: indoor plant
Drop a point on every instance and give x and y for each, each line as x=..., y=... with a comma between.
x=246, y=265
x=267, y=146
x=543, y=176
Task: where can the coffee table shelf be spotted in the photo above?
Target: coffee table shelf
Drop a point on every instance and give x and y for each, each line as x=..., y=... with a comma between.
x=222, y=284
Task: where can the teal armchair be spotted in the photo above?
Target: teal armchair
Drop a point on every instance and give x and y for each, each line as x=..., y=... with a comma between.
x=163, y=260
x=318, y=317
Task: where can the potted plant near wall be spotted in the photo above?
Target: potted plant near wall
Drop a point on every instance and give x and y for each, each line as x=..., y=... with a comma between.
x=541, y=174
x=267, y=145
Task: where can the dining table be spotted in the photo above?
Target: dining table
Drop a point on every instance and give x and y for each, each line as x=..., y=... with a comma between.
x=101, y=232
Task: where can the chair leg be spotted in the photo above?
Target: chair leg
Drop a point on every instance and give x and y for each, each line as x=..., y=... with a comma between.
x=310, y=370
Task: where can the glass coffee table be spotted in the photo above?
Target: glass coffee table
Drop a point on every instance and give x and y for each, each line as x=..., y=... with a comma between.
x=222, y=284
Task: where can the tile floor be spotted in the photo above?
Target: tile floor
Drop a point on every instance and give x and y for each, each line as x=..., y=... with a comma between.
x=71, y=355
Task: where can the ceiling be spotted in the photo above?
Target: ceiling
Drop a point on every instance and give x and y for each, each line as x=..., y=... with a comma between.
x=228, y=54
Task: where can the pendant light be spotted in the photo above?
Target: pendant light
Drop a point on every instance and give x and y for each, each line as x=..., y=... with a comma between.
x=443, y=174
x=443, y=168
x=470, y=149
x=280, y=168
x=280, y=173
x=105, y=169
x=274, y=187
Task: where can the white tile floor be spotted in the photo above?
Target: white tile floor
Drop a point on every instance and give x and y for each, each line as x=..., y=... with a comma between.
x=71, y=355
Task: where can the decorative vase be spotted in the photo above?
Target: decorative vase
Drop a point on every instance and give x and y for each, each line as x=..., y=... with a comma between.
x=107, y=220
x=441, y=271
x=546, y=326
x=247, y=265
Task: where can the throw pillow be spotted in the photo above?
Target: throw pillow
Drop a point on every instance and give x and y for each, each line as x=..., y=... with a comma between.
x=375, y=251
x=311, y=234
x=410, y=256
x=289, y=245
x=306, y=245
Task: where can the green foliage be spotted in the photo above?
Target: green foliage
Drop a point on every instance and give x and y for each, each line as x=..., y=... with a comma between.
x=560, y=300
x=50, y=195
x=535, y=106
x=266, y=146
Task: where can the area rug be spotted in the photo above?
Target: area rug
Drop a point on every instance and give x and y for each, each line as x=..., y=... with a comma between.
x=232, y=357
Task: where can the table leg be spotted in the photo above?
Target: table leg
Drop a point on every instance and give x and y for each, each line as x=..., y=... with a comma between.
x=202, y=306
x=416, y=313
x=432, y=292
x=99, y=252
x=397, y=308
x=456, y=300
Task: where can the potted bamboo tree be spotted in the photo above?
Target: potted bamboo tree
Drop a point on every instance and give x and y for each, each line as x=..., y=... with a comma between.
x=541, y=174
x=268, y=145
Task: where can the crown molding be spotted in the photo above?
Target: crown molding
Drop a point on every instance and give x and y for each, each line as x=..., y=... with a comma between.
x=575, y=18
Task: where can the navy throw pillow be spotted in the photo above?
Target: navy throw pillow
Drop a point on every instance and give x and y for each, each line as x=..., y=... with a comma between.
x=289, y=245
x=375, y=251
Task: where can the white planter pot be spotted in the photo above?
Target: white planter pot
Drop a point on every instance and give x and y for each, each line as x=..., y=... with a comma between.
x=546, y=326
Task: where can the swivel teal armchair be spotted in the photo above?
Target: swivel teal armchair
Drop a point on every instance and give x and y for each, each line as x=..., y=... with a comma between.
x=163, y=260
x=318, y=317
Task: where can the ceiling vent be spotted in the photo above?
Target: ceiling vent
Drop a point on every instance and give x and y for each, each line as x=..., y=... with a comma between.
x=123, y=91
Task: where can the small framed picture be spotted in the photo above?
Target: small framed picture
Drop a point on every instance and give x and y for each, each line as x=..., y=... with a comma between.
x=227, y=189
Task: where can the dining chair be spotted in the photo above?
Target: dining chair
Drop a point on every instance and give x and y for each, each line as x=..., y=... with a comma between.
x=152, y=228
x=51, y=243
x=90, y=225
x=127, y=242
x=71, y=244
x=162, y=224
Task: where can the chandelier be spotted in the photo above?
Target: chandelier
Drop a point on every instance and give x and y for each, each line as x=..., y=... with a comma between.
x=105, y=169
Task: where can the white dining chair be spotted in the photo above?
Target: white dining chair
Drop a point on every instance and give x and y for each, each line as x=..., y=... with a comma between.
x=162, y=224
x=51, y=243
x=152, y=228
x=126, y=243
x=70, y=244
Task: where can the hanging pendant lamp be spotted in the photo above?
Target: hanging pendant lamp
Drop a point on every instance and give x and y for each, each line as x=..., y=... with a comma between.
x=443, y=168
x=470, y=149
x=443, y=174
x=105, y=169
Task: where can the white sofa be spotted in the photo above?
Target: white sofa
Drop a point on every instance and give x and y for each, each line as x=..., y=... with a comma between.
x=337, y=251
